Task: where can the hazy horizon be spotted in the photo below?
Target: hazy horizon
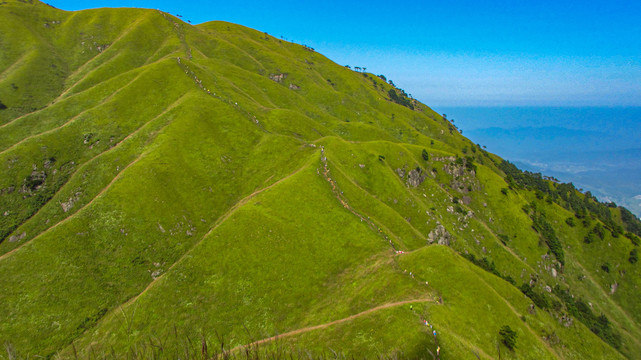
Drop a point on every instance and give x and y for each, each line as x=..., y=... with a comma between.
x=596, y=148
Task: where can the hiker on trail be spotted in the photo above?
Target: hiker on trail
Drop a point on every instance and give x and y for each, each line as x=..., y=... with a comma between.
x=438, y=350
x=434, y=332
x=411, y=307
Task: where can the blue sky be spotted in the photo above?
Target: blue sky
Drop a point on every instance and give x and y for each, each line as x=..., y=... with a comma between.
x=456, y=53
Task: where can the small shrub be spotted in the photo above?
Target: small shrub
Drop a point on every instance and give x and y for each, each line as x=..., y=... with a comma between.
x=606, y=267
x=504, y=191
x=504, y=238
x=469, y=164
x=599, y=231
x=539, y=194
x=425, y=155
x=508, y=337
x=570, y=222
x=539, y=299
x=634, y=256
x=589, y=238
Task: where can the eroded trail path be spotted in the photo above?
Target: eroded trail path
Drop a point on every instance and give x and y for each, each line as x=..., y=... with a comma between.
x=331, y=323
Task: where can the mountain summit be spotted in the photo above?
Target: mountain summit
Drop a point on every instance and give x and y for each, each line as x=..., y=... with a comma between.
x=168, y=189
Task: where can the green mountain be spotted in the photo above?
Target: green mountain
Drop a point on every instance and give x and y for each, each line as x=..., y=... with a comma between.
x=170, y=190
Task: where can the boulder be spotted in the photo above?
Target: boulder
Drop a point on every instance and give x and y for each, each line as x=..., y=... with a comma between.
x=439, y=235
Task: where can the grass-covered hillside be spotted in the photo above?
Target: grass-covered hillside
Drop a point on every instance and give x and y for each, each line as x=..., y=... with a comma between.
x=175, y=191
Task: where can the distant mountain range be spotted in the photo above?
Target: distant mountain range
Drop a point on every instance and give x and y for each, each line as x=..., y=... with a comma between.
x=593, y=147
x=610, y=175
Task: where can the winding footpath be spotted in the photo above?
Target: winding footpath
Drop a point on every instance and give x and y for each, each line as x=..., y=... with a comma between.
x=326, y=325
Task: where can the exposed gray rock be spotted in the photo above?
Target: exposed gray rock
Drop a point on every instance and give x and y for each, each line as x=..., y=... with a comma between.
x=156, y=274
x=415, y=177
x=566, y=320
x=277, y=77
x=531, y=309
x=439, y=235
x=14, y=238
x=69, y=203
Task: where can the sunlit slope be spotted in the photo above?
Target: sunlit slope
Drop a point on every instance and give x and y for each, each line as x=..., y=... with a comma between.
x=167, y=182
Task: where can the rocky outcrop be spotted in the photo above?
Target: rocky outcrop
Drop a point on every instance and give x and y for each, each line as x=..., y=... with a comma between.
x=416, y=177
x=14, y=238
x=69, y=203
x=278, y=77
x=439, y=235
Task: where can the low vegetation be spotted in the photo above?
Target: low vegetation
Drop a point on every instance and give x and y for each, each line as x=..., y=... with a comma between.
x=211, y=191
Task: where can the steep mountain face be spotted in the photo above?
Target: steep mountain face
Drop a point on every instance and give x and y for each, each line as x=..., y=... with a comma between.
x=166, y=186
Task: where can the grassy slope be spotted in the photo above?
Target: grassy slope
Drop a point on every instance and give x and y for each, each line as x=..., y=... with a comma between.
x=184, y=193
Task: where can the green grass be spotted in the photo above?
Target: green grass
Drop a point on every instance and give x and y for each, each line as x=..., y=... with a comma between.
x=159, y=186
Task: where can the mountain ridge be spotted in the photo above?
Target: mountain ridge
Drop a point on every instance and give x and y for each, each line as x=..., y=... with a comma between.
x=179, y=181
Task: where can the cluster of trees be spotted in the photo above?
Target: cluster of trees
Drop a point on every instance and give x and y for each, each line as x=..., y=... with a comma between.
x=356, y=68
x=538, y=298
x=396, y=94
x=468, y=162
x=401, y=99
x=545, y=229
x=597, y=232
x=565, y=194
x=631, y=222
x=579, y=309
x=600, y=325
x=487, y=265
